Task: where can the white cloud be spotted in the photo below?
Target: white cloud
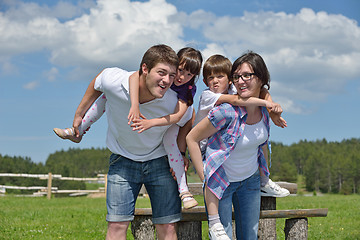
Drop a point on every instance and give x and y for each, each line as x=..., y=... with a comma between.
x=51, y=74
x=310, y=54
x=31, y=85
x=112, y=33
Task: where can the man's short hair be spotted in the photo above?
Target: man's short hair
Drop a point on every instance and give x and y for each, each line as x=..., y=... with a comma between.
x=159, y=54
x=216, y=64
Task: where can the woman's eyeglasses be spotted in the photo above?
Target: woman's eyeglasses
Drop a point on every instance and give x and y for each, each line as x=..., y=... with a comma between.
x=245, y=77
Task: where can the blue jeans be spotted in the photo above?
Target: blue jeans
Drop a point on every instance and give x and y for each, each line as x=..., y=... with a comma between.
x=245, y=196
x=125, y=178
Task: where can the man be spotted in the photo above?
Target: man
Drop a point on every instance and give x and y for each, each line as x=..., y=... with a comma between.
x=138, y=158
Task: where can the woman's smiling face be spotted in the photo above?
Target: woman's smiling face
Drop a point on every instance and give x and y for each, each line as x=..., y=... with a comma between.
x=247, y=88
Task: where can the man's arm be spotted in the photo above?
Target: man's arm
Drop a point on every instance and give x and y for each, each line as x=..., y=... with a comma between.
x=88, y=99
x=181, y=139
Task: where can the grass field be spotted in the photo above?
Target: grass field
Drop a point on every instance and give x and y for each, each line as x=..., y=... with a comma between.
x=84, y=218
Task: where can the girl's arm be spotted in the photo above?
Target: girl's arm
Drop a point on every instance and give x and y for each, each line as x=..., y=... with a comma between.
x=141, y=125
x=134, y=112
x=88, y=99
x=202, y=130
x=274, y=115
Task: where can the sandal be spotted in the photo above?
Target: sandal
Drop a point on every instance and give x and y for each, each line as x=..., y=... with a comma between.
x=189, y=203
x=67, y=133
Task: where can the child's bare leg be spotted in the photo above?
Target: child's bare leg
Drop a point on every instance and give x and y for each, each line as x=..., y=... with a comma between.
x=216, y=229
x=176, y=162
x=212, y=202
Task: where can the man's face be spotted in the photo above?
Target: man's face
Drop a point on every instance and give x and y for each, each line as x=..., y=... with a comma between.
x=159, y=79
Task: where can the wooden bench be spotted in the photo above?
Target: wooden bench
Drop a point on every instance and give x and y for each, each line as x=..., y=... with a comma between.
x=190, y=227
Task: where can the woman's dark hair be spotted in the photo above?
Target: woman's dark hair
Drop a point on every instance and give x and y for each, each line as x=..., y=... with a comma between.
x=192, y=60
x=257, y=64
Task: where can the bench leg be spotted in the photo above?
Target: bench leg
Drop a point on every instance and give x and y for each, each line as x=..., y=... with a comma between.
x=189, y=230
x=296, y=229
x=267, y=227
x=142, y=228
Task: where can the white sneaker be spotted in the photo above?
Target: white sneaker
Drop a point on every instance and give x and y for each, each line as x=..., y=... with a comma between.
x=272, y=189
x=217, y=232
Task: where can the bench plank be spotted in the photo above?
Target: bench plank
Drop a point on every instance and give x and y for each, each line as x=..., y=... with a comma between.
x=198, y=213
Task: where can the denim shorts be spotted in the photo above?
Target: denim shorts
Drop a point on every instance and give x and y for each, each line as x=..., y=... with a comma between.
x=125, y=178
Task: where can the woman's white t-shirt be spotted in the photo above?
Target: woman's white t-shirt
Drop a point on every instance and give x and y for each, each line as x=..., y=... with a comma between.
x=243, y=160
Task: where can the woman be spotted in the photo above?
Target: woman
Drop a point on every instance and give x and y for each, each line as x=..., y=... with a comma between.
x=236, y=149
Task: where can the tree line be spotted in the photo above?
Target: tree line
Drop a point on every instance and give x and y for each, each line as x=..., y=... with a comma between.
x=328, y=167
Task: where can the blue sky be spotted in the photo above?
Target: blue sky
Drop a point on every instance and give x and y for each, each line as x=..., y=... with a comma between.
x=51, y=50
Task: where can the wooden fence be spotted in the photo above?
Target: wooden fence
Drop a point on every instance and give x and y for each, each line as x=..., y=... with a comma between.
x=49, y=189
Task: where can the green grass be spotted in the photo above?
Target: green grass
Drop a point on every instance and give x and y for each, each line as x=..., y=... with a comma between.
x=342, y=222
x=84, y=218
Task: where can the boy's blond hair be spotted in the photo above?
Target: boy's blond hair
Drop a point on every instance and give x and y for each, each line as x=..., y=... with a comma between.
x=216, y=64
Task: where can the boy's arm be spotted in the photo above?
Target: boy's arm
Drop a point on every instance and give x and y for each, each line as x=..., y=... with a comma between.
x=274, y=115
x=88, y=99
x=141, y=125
x=134, y=112
x=236, y=100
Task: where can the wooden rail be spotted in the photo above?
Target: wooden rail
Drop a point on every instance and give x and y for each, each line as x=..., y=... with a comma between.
x=48, y=190
x=199, y=214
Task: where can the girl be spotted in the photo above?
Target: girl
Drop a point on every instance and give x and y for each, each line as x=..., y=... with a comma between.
x=190, y=61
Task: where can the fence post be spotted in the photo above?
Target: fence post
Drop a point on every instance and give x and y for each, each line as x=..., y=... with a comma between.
x=267, y=227
x=49, y=186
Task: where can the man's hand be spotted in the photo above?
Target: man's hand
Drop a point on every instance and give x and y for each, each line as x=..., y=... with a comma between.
x=76, y=123
x=186, y=167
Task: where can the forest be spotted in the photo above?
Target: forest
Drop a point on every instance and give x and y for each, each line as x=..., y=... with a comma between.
x=327, y=167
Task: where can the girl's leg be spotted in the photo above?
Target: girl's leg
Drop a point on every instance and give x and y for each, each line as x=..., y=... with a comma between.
x=176, y=162
x=91, y=116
